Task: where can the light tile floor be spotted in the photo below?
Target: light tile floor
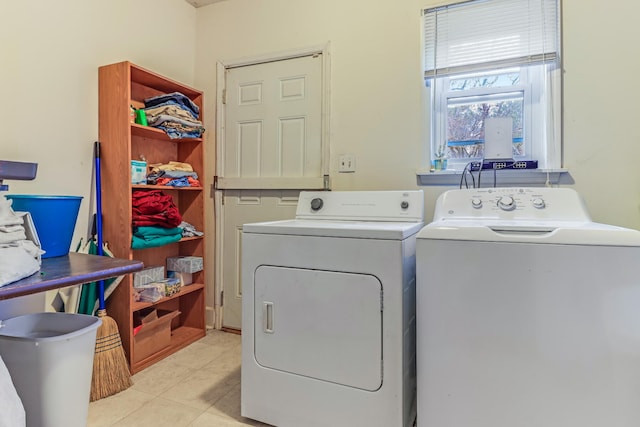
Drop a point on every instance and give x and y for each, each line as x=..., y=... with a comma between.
x=196, y=387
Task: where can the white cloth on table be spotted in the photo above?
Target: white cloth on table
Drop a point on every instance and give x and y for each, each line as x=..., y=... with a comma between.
x=11, y=228
x=19, y=257
x=15, y=264
x=11, y=409
x=7, y=216
x=27, y=245
x=12, y=236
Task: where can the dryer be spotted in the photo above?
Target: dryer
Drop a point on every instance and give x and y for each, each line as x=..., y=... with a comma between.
x=328, y=335
x=528, y=313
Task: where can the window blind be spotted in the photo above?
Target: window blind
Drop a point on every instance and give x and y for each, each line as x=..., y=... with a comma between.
x=489, y=34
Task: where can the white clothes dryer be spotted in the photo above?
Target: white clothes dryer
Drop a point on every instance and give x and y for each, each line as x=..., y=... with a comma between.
x=328, y=323
x=528, y=313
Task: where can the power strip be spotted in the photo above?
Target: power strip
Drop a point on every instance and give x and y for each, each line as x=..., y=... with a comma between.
x=503, y=164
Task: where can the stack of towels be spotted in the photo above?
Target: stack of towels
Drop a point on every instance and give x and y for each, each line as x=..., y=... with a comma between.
x=19, y=257
x=155, y=219
x=174, y=113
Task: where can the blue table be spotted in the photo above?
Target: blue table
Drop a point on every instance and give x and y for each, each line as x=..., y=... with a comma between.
x=72, y=269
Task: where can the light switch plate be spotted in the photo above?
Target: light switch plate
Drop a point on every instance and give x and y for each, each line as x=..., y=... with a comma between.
x=347, y=163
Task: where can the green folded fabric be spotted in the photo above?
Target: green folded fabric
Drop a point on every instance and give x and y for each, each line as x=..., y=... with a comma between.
x=151, y=237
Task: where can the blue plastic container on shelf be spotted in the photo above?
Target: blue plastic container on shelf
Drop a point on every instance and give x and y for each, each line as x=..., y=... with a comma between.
x=54, y=217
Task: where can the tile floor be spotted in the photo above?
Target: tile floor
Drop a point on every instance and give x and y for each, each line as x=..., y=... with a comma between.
x=196, y=387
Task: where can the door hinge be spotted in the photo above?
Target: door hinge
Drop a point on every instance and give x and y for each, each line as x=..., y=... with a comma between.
x=215, y=182
x=222, y=299
x=326, y=183
x=224, y=96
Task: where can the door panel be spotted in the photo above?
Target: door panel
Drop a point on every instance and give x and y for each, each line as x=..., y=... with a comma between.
x=241, y=207
x=273, y=120
x=272, y=147
x=320, y=324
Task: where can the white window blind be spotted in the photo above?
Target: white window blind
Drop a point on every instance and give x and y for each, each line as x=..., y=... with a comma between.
x=488, y=34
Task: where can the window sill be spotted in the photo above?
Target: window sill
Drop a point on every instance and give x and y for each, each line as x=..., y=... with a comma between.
x=504, y=177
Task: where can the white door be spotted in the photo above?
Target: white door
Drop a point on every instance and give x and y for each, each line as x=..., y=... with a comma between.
x=272, y=144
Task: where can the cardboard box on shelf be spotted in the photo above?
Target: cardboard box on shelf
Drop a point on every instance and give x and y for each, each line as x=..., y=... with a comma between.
x=185, y=264
x=148, y=275
x=150, y=292
x=153, y=334
x=185, y=278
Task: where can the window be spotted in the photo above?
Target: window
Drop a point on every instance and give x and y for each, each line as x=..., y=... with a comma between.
x=494, y=58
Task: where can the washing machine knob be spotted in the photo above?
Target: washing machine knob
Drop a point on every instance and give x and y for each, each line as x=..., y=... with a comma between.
x=404, y=204
x=316, y=204
x=476, y=203
x=538, y=203
x=506, y=203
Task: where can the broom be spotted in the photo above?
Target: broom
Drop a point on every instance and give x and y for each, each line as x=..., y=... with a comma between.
x=110, y=369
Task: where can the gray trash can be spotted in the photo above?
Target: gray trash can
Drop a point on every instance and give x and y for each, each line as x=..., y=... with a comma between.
x=50, y=359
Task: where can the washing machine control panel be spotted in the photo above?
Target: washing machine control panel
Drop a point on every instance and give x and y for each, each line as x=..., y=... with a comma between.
x=520, y=203
x=506, y=203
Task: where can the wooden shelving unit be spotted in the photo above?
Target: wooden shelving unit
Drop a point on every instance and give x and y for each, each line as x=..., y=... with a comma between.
x=120, y=86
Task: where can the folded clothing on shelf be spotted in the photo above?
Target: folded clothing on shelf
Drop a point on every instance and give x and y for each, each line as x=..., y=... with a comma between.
x=174, y=174
x=154, y=208
x=152, y=236
x=174, y=113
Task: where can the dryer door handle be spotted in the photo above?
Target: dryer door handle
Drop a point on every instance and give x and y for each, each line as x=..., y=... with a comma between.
x=267, y=317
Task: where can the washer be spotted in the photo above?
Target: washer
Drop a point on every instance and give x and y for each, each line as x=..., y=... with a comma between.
x=528, y=313
x=328, y=335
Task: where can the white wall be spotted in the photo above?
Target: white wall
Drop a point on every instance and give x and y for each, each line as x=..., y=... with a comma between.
x=50, y=52
x=377, y=99
x=601, y=89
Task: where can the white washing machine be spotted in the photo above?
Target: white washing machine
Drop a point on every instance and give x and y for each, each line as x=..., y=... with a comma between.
x=528, y=313
x=328, y=323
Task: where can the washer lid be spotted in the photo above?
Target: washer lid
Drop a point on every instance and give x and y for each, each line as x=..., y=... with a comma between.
x=322, y=228
x=542, y=232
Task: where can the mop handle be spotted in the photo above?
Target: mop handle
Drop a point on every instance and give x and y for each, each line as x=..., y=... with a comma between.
x=101, y=305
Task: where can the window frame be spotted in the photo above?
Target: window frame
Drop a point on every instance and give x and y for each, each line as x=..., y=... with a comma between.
x=541, y=83
x=440, y=115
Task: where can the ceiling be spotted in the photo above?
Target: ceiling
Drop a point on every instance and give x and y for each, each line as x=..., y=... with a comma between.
x=200, y=3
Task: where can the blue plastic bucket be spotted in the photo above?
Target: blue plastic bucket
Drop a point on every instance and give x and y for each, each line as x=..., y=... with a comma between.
x=54, y=217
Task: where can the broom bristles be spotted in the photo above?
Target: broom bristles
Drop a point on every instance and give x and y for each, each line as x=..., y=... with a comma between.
x=110, y=369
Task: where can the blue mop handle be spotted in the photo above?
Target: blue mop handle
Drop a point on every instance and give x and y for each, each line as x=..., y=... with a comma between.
x=101, y=305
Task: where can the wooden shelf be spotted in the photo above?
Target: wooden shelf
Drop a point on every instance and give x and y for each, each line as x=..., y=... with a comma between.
x=120, y=86
x=158, y=134
x=190, y=238
x=138, y=305
x=163, y=187
x=181, y=337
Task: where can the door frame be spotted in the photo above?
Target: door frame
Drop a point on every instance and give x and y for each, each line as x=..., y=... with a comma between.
x=221, y=71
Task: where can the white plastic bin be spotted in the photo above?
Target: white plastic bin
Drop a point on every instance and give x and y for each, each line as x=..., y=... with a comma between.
x=50, y=359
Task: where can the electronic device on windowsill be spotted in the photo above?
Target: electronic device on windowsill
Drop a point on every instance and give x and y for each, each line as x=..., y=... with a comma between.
x=498, y=138
x=503, y=164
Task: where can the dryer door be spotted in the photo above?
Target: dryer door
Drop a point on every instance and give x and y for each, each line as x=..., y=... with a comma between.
x=325, y=325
